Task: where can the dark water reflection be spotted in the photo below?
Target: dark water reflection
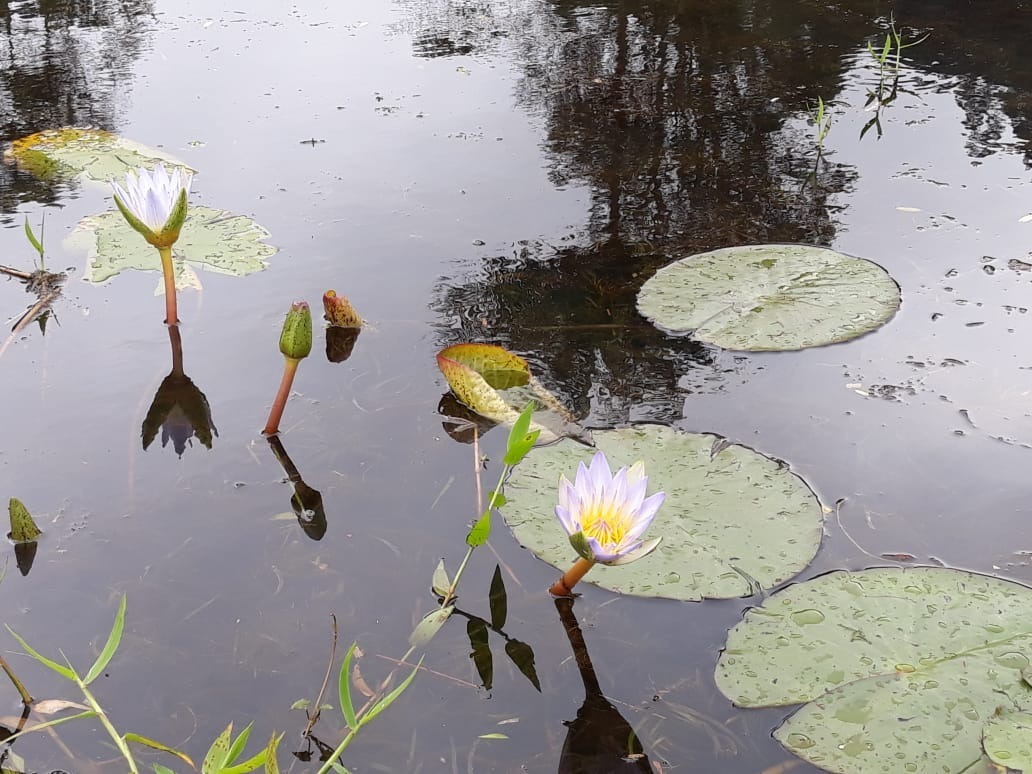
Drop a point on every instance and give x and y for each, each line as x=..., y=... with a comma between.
x=503, y=172
x=64, y=63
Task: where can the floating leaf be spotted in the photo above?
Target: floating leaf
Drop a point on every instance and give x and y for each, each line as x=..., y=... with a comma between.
x=733, y=520
x=219, y=240
x=770, y=297
x=1007, y=740
x=23, y=528
x=479, y=373
x=94, y=154
x=493, y=736
x=339, y=312
x=901, y=667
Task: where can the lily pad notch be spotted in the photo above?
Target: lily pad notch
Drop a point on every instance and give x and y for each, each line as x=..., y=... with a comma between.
x=759, y=298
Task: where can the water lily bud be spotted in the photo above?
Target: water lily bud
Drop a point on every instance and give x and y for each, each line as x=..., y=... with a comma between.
x=339, y=311
x=296, y=339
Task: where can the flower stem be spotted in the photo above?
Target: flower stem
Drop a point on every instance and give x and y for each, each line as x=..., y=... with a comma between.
x=564, y=586
x=276, y=412
x=117, y=738
x=171, y=309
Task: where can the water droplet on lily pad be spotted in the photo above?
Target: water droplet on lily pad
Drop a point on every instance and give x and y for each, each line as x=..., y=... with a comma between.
x=806, y=617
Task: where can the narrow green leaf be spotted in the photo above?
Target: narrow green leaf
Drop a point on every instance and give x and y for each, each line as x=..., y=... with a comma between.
x=271, y=764
x=23, y=528
x=481, y=531
x=216, y=758
x=114, y=638
x=344, y=689
x=48, y=724
x=253, y=763
x=493, y=736
x=131, y=737
x=66, y=672
x=440, y=583
x=238, y=745
x=520, y=440
x=36, y=244
x=301, y=704
x=159, y=769
x=338, y=768
x=498, y=599
x=429, y=626
x=388, y=700
x=480, y=651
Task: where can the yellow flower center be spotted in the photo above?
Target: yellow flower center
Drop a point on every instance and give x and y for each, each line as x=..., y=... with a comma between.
x=608, y=525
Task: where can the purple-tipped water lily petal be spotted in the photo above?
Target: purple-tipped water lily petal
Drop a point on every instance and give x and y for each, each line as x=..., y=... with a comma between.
x=604, y=513
x=566, y=520
x=641, y=550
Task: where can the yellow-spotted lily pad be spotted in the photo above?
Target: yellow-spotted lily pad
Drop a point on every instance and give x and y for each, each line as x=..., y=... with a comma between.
x=498, y=385
x=734, y=521
x=92, y=154
x=216, y=240
x=898, y=670
x=770, y=297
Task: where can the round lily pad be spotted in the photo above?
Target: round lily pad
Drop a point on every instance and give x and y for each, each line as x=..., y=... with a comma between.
x=1008, y=740
x=222, y=241
x=733, y=520
x=901, y=668
x=770, y=297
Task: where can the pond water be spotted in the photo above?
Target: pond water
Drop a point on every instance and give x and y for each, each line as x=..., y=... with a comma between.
x=508, y=172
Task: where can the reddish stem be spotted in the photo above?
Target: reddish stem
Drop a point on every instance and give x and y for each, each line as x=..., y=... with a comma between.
x=276, y=412
x=171, y=307
x=564, y=586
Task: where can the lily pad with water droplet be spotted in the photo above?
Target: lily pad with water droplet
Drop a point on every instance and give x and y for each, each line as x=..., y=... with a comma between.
x=770, y=297
x=734, y=521
x=901, y=668
x=93, y=154
x=218, y=240
x=1007, y=740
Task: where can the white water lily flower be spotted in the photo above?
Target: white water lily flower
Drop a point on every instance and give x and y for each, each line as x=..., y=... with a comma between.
x=154, y=203
x=605, y=515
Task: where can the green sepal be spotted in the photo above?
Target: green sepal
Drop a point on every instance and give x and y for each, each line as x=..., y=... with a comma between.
x=582, y=546
x=296, y=339
x=137, y=225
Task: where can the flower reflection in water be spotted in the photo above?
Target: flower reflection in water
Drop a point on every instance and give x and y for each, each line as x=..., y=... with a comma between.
x=179, y=408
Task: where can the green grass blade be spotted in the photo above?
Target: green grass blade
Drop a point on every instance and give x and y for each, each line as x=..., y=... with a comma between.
x=131, y=737
x=344, y=689
x=66, y=672
x=253, y=763
x=36, y=244
x=388, y=700
x=271, y=764
x=238, y=745
x=49, y=724
x=159, y=769
x=114, y=638
x=217, y=755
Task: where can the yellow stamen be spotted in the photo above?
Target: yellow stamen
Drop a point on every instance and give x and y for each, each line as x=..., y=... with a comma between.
x=605, y=524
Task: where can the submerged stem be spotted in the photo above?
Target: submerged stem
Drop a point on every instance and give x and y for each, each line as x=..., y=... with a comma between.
x=25, y=697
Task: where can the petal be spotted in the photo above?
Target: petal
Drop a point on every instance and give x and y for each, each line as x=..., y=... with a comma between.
x=636, y=472
x=599, y=553
x=569, y=523
x=643, y=518
x=637, y=552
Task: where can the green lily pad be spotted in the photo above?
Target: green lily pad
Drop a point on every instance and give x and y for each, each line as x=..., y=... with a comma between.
x=770, y=297
x=1007, y=740
x=733, y=519
x=93, y=154
x=23, y=527
x=902, y=668
x=219, y=240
